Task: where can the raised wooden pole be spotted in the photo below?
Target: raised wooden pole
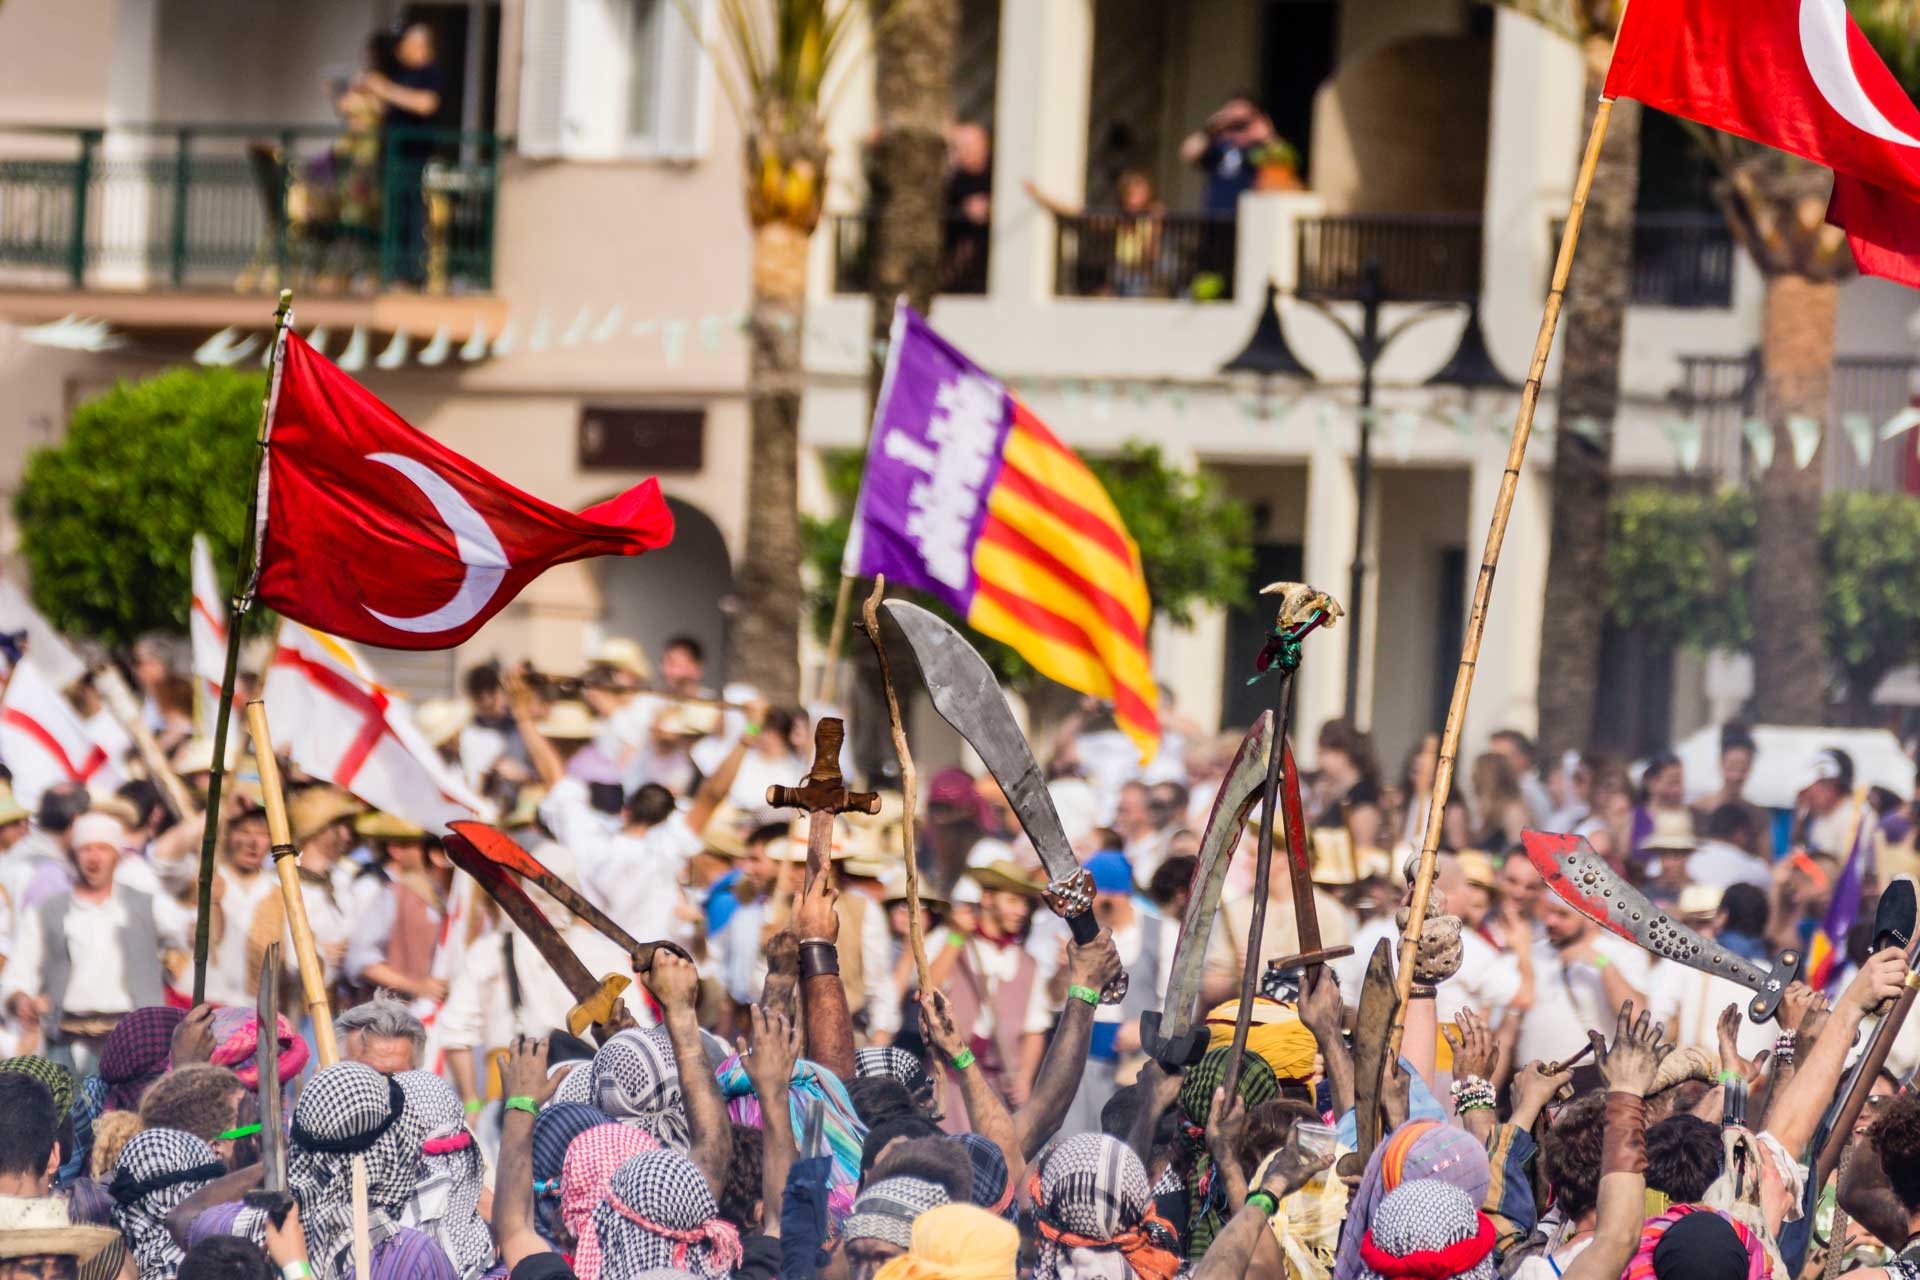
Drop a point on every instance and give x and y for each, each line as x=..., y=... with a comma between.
x=1483, y=587
x=909, y=781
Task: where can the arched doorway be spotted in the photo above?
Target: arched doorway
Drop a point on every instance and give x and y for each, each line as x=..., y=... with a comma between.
x=677, y=590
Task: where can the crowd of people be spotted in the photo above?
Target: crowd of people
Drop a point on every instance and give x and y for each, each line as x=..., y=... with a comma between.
x=778, y=1094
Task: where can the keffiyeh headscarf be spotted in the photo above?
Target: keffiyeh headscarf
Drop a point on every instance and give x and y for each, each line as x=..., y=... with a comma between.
x=554, y=1130
x=585, y=1176
x=635, y=1082
x=577, y=1085
x=1427, y=1230
x=350, y=1109
x=135, y=1054
x=1206, y=1193
x=57, y=1080
x=446, y=1203
x=1094, y=1212
x=236, y=1040
x=891, y=1063
x=660, y=1212
x=992, y=1185
x=1418, y=1150
x=158, y=1170
x=843, y=1130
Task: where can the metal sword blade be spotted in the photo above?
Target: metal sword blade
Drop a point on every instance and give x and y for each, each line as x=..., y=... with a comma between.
x=968, y=697
x=273, y=1149
x=1584, y=881
x=1239, y=790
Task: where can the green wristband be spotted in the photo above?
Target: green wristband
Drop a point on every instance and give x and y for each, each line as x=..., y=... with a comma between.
x=522, y=1103
x=297, y=1270
x=1078, y=992
x=963, y=1059
x=244, y=1131
x=475, y=1106
x=1264, y=1199
x=1732, y=1077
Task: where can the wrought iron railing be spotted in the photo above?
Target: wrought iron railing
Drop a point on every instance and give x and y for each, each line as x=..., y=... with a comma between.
x=1144, y=255
x=1680, y=259
x=964, y=252
x=247, y=207
x=1423, y=257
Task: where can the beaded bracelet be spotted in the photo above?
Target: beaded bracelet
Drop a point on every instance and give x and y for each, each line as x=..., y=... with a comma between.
x=1783, y=1049
x=1472, y=1093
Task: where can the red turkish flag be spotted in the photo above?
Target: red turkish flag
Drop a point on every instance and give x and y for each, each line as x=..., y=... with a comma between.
x=375, y=532
x=1797, y=75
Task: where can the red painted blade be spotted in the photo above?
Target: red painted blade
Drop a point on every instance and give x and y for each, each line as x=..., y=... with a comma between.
x=499, y=848
x=1543, y=851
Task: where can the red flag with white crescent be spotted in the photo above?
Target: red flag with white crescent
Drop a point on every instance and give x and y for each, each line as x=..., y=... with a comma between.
x=375, y=532
x=1798, y=75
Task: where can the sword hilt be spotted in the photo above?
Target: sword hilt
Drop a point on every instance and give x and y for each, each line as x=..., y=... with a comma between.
x=1175, y=1053
x=1785, y=967
x=1072, y=899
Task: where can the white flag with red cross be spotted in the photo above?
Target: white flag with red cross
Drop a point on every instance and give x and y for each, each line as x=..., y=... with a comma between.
x=44, y=742
x=207, y=628
x=345, y=728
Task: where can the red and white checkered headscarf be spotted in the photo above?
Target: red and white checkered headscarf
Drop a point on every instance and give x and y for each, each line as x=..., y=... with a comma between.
x=585, y=1176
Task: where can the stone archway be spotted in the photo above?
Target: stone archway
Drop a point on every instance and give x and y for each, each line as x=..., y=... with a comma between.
x=680, y=589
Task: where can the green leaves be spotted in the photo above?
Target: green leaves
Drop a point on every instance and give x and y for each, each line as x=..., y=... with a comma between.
x=107, y=516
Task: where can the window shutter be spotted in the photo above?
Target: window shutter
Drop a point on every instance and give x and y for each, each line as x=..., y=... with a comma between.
x=543, y=81
x=683, y=126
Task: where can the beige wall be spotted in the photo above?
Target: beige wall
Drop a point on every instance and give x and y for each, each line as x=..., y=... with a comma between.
x=1404, y=129
x=1213, y=50
x=241, y=61
x=55, y=60
x=1366, y=25
x=1421, y=513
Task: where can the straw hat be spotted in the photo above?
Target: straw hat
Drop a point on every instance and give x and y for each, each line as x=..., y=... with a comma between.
x=623, y=654
x=1007, y=875
x=1672, y=832
x=314, y=809
x=1478, y=868
x=442, y=719
x=1698, y=902
x=570, y=721
x=893, y=888
x=39, y=1226
x=117, y=807
x=688, y=720
x=11, y=810
x=725, y=833
x=195, y=755
x=375, y=825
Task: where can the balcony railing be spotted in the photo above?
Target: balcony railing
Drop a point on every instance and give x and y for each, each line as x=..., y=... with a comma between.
x=247, y=208
x=1680, y=259
x=1144, y=255
x=1423, y=257
x=963, y=267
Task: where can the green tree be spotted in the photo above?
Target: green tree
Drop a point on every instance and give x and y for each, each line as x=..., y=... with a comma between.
x=1195, y=541
x=1678, y=561
x=1870, y=548
x=107, y=516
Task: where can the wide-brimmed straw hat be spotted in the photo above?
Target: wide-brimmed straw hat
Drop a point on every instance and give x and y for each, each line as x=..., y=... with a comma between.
x=570, y=721
x=1008, y=876
x=385, y=826
x=315, y=809
x=11, y=810
x=37, y=1226
x=623, y=654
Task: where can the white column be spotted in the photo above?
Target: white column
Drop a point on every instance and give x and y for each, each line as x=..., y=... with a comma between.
x=1040, y=112
x=1506, y=683
x=1321, y=690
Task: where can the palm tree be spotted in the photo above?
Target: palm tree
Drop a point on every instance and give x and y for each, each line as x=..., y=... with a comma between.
x=1776, y=205
x=783, y=53
x=1595, y=315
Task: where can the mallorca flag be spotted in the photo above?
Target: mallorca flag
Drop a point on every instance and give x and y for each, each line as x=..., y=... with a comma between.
x=1830, y=939
x=968, y=497
x=1798, y=75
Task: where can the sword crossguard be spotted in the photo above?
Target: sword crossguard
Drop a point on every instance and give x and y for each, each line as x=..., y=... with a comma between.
x=1785, y=966
x=1071, y=898
x=824, y=790
x=1175, y=1053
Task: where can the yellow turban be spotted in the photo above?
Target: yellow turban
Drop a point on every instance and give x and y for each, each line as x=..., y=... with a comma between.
x=1276, y=1034
x=957, y=1242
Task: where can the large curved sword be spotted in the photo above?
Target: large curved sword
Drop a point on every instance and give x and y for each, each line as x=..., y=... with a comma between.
x=1584, y=881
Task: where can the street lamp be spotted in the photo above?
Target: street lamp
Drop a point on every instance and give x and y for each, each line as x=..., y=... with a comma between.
x=1267, y=354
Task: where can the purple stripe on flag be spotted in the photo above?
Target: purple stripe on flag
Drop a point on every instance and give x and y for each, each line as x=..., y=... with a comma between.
x=1844, y=907
x=934, y=455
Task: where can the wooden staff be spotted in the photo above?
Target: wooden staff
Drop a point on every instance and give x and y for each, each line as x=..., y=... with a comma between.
x=113, y=691
x=286, y=863
x=1483, y=586
x=909, y=781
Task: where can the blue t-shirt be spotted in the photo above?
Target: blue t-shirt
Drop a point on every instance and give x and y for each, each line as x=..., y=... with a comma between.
x=1230, y=171
x=721, y=904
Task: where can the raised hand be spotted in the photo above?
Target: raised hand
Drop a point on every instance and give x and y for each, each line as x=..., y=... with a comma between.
x=1878, y=981
x=936, y=1018
x=1294, y=1167
x=1096, y=964
x=1474, y=1049
x=675, y=983
x=1226, y=1124
x=193, y=1037
x=813, y=915
x=1533, y=1089
x=525, y=1074
x=774, y=1048
x=1628, y=1064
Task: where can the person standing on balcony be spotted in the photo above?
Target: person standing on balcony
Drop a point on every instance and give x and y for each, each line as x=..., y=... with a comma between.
x=1224, y=148
x=410, y=100
x=969, y=205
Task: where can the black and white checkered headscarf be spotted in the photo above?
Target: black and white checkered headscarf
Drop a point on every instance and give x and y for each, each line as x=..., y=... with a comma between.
x=157, y=1170
x=892, y=1063
x=635, y=1081
x=348, y=1109
x=446, y=1203
x=1426, y=1215
x=660, y=1212
x=1090, y=1193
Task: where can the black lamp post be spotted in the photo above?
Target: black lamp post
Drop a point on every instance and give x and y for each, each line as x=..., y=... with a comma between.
x=1267, y=355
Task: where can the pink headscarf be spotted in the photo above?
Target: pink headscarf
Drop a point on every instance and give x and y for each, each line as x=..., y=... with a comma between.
x=586, y=1177
x=236, y=1035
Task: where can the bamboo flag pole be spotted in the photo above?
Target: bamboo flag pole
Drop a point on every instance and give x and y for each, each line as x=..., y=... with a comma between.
x=1483, y=586
x=286, y=865
x=113, y=691
x=909, y=782
x=242, y=601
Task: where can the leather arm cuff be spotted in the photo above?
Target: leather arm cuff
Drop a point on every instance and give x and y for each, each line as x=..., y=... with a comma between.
x=819, y=958
x=1624, y=1147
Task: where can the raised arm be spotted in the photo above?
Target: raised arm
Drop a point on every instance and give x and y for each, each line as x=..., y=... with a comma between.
x=986, y=1113
x=1627, y=1069
x=769, y=1060
x=712, y=792
x=1058, y=1079
x=823, y=997
x=676, y=985
x=1324, y=1014
x=1795, y=1112
x=1233, y=1249
x=1159, y=1089
x=526, y=718
x=525, y=1077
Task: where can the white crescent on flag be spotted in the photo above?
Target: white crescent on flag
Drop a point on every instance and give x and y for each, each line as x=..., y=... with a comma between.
x=1823, y=39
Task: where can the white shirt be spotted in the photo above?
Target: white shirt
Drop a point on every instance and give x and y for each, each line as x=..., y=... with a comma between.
x=227, y=968
x=97, y=974
x=749, y=791
x=633, y=878
x=1569, y=1000
x=479, y=1012
x=1722, y=865
x=1488, y=980
x=1688, y=1003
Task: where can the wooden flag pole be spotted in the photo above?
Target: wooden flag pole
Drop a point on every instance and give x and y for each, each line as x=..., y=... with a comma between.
x=113, y=691
x=836, y=631
x=1483, y=586
x=909, y=781
x=242, y=601
x=286, y=865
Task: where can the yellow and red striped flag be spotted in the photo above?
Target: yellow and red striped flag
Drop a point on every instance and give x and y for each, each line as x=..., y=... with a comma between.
x=969, y=497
